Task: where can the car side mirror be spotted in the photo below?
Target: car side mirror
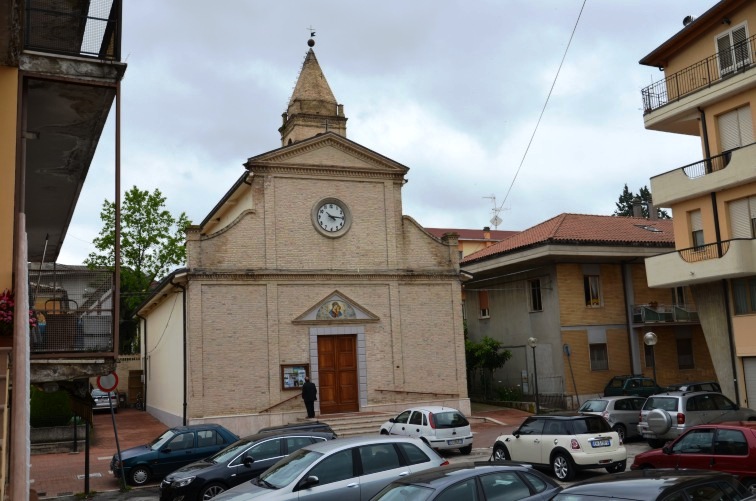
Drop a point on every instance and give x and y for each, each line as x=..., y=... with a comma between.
x=248, y=460
x=667, y=449
x=309, y=482
x=391, y=420
x=516, y=434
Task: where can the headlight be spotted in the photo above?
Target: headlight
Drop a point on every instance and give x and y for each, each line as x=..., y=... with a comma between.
x=182, y=482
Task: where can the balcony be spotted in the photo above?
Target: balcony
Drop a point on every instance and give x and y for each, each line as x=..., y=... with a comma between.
x=664, y=313
x=732, y=168
x=706, y=73
x=707, y=263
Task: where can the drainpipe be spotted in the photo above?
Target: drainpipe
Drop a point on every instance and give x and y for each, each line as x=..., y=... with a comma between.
x=733, y=357
x=144, y=362
x=183, y=329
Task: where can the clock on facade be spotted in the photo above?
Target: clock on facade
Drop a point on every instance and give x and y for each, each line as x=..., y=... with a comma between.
x=331, y=217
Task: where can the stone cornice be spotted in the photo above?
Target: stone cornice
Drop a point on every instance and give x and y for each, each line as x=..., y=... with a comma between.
x=325, y=171
x=318, y=276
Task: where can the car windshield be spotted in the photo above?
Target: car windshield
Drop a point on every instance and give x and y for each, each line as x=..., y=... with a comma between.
x=449, y=420
x=593, y=406
x=593, y=424
x=230, y=452
x=402, y=492
x=286, y=470
x=162, y=439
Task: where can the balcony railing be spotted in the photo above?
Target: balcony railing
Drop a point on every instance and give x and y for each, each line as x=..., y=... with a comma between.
x=74, y=310
x=704, y=252
x=656, y=313
x=702, y=74
x=84, y=28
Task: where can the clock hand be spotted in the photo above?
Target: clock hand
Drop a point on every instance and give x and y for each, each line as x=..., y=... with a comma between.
x=334, y=217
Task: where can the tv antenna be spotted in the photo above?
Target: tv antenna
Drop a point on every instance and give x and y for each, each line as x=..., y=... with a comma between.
x=495, y=220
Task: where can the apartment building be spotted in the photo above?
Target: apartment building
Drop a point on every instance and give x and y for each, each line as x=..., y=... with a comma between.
x=709, y=91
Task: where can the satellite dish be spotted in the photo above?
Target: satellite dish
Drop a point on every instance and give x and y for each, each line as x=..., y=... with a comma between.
x=688, y=19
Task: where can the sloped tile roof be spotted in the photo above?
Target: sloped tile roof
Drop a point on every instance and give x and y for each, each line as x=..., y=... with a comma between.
x=467, y=234
x=583, y=229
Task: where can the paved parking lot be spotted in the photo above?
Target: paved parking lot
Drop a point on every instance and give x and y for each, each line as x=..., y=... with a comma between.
x=62, y=475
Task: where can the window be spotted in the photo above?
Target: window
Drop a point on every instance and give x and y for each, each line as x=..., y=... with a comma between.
x=695, y=442
x=462, y=490
x=742, y=214
x=403, y=417
x=599, y=358
x=413, y=454
x=379, y=457
x=732, y=50
x=266, y=450
x=535, y=295
x=182, y=442
x=417, y=418
x=679, y=293
x=685, y=352
x=208, y=438
x=339, y=466
x=504, y=485
x=649, y=355
x=696, y=229
x=744, y=295
x=592, y=286
x=730, y=443
x=296, y=443
x=735, y=128
x=483, y=304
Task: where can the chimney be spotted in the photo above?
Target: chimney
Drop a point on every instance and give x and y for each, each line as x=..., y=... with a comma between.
x=652, y=215
x=637, y=207
x=487, y=232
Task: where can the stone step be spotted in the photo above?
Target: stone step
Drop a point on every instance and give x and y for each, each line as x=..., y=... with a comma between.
x=355, y=424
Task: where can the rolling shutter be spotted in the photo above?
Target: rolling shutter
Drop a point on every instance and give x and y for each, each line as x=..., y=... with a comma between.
x=749, y=373
x=740, y=219
x=735, y=128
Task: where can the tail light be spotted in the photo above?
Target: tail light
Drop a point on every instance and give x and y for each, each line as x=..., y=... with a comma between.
x=574, y=444
x=432, y=421
x=445, y=463
x=680, y=418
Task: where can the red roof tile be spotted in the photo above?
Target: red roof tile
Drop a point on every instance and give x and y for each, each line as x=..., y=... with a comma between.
x=582, y=229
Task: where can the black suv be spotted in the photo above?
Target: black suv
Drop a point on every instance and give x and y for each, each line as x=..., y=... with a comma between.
x=632, y=385
x=661, y=484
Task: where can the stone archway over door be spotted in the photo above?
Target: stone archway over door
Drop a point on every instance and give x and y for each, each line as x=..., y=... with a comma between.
x=337, y=374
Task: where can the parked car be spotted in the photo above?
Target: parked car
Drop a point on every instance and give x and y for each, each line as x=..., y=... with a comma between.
x=102, y=402
x=727, y=447
x=631, y=385
x=439, y=427
x=347, y=469
x=170, y=451
x=699, y=386
x=480, y=481
x=657, y=485
x=564, y=444
x=620, y=412
x=666, y=416
x=241, y=461
x=299, y=426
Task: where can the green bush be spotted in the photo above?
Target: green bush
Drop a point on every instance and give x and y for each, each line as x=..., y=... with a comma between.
x=509, y=394
x=49, y=409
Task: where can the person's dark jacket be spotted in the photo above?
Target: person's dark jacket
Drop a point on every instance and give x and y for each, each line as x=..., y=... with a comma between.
x=309, y=392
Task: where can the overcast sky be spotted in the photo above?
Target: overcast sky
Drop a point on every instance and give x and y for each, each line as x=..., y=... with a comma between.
x=451, y=89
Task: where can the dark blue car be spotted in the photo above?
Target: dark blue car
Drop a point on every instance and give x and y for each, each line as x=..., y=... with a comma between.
x=170, y=451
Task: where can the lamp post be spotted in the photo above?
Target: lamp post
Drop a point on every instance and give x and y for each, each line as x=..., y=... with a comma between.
x=533, y=342
x=650, y=340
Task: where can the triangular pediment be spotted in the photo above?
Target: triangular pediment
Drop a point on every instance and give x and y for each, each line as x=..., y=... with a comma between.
x=336, y=308
x=327, y=150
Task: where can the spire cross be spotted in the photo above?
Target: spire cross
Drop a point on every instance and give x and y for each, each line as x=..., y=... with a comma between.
x=312, y=31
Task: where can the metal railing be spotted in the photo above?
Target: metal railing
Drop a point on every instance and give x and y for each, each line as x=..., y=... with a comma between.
x=85, y=28
x=652, y=313
x=73, y=309
x=704, y=252
x=702, y=74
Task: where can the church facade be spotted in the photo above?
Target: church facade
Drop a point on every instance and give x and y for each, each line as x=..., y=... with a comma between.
x=307, y=266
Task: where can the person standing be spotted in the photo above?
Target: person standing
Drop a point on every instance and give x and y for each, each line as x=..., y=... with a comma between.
x=309, y=395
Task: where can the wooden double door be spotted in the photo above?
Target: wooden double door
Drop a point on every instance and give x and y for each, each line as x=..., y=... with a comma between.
x=337, y=374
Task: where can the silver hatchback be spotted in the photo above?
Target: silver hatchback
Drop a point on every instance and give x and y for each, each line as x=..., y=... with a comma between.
x=620, y=412
x=347, y=469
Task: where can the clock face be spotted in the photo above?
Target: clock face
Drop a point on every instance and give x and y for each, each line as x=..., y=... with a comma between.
x=331, y=217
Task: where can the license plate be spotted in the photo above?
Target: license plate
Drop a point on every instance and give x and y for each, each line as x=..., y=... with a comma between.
x=455, y=442
x=601, y=443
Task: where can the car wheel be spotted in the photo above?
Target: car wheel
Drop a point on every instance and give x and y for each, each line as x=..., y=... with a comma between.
x=140, y=475
x=617, y=467
x=621, y=431
x=466, y=449
x=562, y=466
x=655, y=443
x=500, y=453
x=210, y=491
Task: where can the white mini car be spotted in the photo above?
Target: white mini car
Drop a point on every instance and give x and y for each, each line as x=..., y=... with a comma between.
x=439, y=427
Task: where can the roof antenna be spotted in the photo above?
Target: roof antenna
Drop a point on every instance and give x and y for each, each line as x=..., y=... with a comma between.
x=495, y=220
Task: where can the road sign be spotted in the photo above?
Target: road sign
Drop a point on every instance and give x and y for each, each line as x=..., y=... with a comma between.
x=108, y=383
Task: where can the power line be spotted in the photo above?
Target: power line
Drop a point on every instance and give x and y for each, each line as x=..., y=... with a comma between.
x=543, y=110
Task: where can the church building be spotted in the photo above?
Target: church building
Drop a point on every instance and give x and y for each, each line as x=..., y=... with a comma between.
x=307, y=266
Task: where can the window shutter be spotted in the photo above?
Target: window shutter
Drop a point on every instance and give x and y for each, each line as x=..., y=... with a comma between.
x=725, y=53
x=745, y=124
x=695, y=221
x=740, y=219
x=483, y=299
x=729, y=132
x=740, y=45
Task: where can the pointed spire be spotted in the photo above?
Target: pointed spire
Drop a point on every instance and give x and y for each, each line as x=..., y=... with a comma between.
x=312, y=108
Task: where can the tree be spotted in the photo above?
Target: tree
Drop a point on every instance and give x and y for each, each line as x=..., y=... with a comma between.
x=486, y=356
x=625, y=203
x=152, y=244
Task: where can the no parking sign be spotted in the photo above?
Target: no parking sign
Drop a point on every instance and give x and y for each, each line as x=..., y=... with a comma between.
x=108, y=383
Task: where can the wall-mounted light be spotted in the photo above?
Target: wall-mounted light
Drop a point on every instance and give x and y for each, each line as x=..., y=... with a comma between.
x=726, y=21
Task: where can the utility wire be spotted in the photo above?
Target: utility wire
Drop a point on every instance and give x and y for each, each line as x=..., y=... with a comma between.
x=543, y=110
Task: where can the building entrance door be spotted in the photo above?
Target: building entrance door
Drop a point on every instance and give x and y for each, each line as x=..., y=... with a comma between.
x=337, y=374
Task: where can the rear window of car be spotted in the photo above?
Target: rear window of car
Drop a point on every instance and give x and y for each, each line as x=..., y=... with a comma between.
x=449, y=420
x=593, y=406
x=590, y=424
x=664, y=403
x=413, y=454
x=616, y=383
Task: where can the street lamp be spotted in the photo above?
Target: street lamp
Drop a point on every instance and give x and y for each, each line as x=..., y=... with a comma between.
x=533, y=342
x=650, y=340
